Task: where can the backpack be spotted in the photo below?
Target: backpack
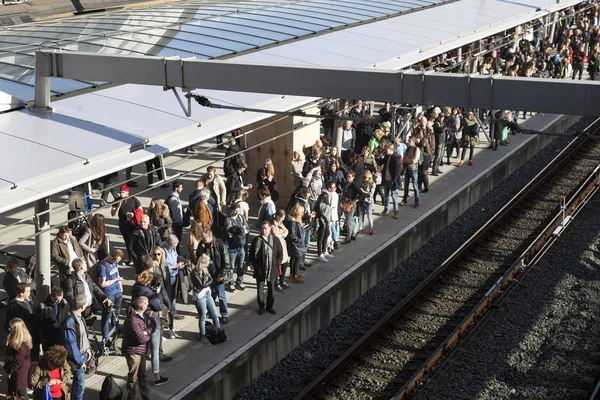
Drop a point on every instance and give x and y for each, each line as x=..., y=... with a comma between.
x=110, y=389
x=79, y=225
x=215, y=335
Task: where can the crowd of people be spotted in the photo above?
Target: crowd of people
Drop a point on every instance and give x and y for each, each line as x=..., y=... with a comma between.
x=336, y=190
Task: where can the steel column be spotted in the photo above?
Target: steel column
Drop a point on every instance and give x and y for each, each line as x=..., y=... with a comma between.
x=42, y=249
x=43, y=71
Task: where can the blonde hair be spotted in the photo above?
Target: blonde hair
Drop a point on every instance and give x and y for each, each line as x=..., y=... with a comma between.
x=204, y=259
x=297, y=211
x=270, y=170
x=19, y=335
x=367, y=177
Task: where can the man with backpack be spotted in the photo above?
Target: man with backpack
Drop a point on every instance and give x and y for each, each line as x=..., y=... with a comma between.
x=390, y=173
x=75, y=339
x=236, y=228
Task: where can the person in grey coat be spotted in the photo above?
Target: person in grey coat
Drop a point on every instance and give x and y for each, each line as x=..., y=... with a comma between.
x=266, y=255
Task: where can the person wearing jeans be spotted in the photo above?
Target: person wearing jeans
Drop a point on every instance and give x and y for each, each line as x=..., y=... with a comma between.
x=236, y=228
x=111, y=282
x=201, y=280
x=170, y=250
x=411, y=161
x=390, y=173
x=350, y=195
x=219, y=267
x=77, y=344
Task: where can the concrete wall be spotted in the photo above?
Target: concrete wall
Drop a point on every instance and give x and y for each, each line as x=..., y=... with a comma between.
x=279, y=151
x=298, y=326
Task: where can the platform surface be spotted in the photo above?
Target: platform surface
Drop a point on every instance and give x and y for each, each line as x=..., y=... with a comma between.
x=193, y=360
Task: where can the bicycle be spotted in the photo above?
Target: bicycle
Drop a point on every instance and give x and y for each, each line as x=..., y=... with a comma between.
x=110, y=345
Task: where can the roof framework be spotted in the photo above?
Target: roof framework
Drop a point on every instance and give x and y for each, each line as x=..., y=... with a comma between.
x=96, y=133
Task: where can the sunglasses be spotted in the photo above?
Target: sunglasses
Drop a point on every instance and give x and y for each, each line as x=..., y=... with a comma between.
x=158, y=254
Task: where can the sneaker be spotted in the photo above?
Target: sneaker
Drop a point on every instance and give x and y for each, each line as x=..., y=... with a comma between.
x=230, y=288
x=328, y=255
x=285, y=285
x=204, y=340
x=460, y=164
x=471, y=163
x=161, y=381
x=172, y=334
x=240, y=286
x=279, y=289
x=322, y=258
x=384, y=212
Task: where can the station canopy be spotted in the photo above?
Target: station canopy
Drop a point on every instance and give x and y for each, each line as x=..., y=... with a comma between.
x=94, y=130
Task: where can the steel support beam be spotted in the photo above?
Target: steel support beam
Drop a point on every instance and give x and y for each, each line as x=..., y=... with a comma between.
x=460, y=90
x=42, y=249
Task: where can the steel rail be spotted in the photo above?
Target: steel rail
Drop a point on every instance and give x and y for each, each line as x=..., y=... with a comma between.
x=397, y=311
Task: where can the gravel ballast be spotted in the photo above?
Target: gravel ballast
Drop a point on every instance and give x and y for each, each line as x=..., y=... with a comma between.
x=297, y=370
x=537, y=343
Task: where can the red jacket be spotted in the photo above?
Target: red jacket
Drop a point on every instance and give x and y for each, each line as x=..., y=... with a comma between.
x=136, y=332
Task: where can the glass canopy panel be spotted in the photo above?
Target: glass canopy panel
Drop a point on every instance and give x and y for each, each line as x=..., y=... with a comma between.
x=294, y=32
x=340, y=12
x=283, y=21
x=302, y=16
x=244, y=29
x=230, y=35
x=232, y=46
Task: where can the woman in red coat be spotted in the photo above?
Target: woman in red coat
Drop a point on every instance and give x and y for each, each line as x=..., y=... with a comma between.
x=17, y=360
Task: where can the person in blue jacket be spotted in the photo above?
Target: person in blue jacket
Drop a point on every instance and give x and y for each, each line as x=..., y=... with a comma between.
x=75, y=340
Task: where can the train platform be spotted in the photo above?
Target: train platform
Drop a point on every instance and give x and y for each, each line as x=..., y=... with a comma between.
x=255, y=343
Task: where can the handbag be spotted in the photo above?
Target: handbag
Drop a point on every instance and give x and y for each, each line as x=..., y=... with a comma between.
x=45, y=394
x=346, y=207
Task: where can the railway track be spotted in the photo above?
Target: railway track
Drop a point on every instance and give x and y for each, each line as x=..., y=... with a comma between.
x=395, y=353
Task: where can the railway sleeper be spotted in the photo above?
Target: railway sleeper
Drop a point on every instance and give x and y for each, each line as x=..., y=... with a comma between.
x=420, y=320
x=410, y=345
x=362, y=375
x=371, y=393
x=459, y=313
x=447, y=302
x=439, y=333
x=387, y=366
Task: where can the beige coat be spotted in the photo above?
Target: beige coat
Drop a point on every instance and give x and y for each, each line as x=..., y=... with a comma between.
x=39, y=377
x=280, y=232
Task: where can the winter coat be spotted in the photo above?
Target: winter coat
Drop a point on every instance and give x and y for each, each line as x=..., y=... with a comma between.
x=137, y=331
x=60, y=253
x=24, y=310
x=294, y=239
x=40, y=375
x=217, y=189
x=88, y=244
x=155, y=301
x=350, y=194
x=323, y=208
x=281, y=232
x=202, y=215
x=73, y=286
x=46, y=316
x=217, y=250
x=262, y=270
x=142, y=243
x=10, y=282
x=17, y=366
x=69, y=335
x=163, y=223
x=394, y=165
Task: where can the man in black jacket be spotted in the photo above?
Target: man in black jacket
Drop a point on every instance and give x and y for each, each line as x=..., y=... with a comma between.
x=79, y=282
x=50, y=316
x=266, y=255
x=390, y=174
x=143, y=240
x=219, y=267
x=348, y=199
x=14, y=276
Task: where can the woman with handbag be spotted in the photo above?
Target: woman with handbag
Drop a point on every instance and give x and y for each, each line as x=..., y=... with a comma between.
x=16, y=363
x=49, y=377
x=201, y=281
x=94, y=241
